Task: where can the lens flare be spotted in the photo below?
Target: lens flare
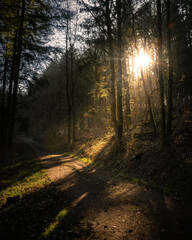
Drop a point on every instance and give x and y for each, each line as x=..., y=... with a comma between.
x=142, y=60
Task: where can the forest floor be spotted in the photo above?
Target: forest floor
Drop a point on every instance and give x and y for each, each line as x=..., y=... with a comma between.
x=79, y=200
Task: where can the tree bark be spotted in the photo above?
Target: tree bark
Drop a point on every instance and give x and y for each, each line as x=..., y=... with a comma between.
x=73, y=101
x=16, y=75
x=9, y=100
x=3, y=101
x=119, y=81
x=160, y=76
x=112, y=68
x=170, y=73
x=67, y=80
x=127, y=94
x=149, y=103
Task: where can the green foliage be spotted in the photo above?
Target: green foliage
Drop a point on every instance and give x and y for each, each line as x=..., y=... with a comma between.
x=48, y=96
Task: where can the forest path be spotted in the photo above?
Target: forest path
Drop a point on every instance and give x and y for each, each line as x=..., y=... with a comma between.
x=85, y=202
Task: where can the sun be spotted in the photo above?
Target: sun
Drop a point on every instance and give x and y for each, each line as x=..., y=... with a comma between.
x=142, y=60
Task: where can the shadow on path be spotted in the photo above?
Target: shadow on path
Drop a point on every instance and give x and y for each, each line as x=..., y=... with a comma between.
x=88, y=203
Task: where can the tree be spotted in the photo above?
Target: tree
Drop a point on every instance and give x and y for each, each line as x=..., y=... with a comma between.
x=24, y=25
x=170, y=70
x=119, y=81
x=16, y=74
x=102, y=13
x=160, y=74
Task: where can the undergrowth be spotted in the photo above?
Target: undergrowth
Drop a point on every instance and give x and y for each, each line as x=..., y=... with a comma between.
x=141, y=161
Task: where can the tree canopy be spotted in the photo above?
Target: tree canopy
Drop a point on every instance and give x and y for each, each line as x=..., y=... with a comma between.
x=126, y=62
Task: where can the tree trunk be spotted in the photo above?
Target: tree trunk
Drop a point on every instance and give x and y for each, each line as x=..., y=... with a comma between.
x=74, y=121
x=67, y=81
x=9, y=100
x=73, y=101
x=119, y=81
x=160, y=75
x=149, y=103
x=16, y=75
x=127, y=93
x=170, y=73
x=3, y=101
x=112, y=68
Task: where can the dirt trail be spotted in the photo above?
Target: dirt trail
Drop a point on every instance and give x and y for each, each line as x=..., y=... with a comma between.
x=101, y=206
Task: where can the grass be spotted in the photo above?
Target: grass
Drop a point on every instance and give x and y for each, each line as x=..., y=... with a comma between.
x=55, y=224
x=20, y=173
x=83, y=159
x=133, y=207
